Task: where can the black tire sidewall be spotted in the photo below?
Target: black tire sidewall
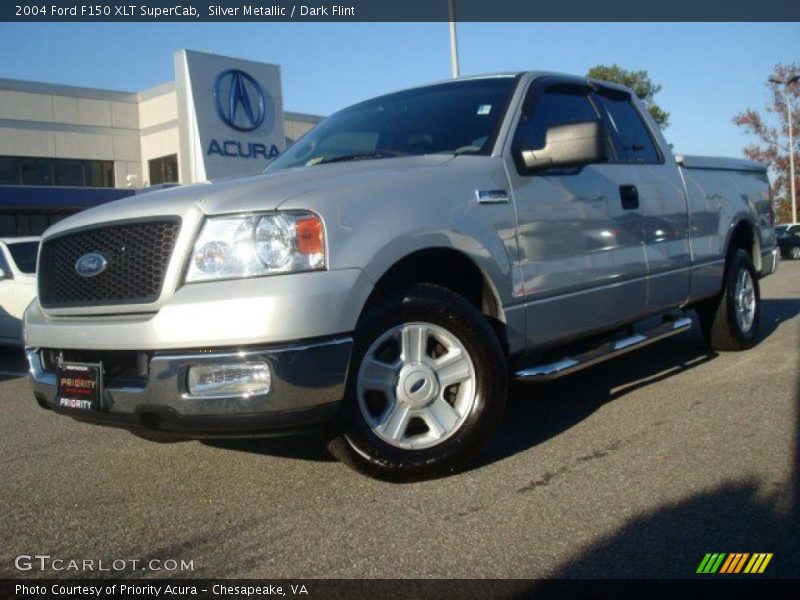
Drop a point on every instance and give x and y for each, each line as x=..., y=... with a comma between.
x=431, y=304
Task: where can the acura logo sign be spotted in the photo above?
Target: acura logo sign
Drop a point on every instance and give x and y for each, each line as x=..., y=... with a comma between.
x=241, y=102
x=91, y=264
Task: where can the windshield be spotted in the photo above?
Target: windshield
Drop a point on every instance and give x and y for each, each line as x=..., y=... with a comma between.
x=781, y=231
x=24, y=255
x=453, y=118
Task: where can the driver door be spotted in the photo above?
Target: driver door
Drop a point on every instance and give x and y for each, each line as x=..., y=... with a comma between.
x=581, y=252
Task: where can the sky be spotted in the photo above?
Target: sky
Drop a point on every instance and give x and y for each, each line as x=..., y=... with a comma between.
x=709, y=71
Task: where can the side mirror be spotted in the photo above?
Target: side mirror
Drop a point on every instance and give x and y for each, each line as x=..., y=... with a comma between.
x=569, y=146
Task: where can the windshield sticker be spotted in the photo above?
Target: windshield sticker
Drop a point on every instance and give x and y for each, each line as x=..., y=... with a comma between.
x=484, y=109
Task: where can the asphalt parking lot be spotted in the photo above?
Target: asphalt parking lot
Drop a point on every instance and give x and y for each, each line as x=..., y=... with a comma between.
x=635, y=468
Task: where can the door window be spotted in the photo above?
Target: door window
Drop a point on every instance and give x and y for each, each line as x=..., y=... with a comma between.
x=558, y=105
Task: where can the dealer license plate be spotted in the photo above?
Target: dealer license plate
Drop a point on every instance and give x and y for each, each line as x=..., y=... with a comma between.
x=79, y=386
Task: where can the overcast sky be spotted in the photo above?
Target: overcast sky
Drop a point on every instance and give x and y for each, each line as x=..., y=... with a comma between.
x=709, y=72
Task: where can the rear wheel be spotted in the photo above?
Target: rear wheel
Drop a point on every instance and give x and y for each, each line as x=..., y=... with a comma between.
x=730, y=321
x=426, y=389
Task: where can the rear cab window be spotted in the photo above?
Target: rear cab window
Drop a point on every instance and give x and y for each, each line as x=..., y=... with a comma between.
x=632, y=139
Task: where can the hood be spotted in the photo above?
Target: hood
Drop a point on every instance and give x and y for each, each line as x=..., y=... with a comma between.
x=269, y=190
x=265, y=191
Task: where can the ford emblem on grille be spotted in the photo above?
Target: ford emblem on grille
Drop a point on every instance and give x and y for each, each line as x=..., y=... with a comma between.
x=91, y=264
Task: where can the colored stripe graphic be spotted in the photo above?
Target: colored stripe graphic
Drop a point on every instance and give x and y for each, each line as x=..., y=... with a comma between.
x=765, y=563
x=701, y=568
x=754, y=564
x=711, y=562
x=730, y=564
x=727, y=564
x=742, y=557
x=734, y=563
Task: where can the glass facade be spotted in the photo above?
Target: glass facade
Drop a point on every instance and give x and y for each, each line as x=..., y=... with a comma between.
x=14, y=223
x=164, y=169
x=24, y=170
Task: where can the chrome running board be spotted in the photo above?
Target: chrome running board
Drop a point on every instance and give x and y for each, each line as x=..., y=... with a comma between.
x=571, y=364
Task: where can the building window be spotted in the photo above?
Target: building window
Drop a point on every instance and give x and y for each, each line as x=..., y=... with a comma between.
x=69, y=172
x=36, y=171
x=27, y=223
x=25, y=170
x=9, y=170
x=164, y=169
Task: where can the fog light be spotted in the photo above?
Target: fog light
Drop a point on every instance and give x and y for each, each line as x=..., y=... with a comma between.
x=232, y=379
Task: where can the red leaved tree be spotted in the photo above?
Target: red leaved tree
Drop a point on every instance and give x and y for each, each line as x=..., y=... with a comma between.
x=772, y=136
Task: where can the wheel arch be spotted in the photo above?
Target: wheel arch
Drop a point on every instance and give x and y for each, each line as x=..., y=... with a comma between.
x=450, y=268
x=742, y=235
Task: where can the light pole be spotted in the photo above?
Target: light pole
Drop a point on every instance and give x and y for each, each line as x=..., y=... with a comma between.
x=453, y=40
x=786, y=83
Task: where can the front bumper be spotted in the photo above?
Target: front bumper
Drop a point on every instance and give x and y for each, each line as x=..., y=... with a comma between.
x=214, y=314
x=769, y=261
x=307, y=386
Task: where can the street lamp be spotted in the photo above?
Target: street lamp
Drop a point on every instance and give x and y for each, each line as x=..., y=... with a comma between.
x=453, y=40
x=786, y=83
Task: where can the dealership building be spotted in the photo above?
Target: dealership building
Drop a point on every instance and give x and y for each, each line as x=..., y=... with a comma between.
x=219, y=117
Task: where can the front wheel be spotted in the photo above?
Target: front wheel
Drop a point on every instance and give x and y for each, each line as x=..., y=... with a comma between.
x=426, y=389
x=730, y=320
x=795, y=253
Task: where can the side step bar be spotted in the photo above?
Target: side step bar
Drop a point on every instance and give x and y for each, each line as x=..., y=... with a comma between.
x=571, y=364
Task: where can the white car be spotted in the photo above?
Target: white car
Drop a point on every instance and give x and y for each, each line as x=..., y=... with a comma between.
x=17, y=285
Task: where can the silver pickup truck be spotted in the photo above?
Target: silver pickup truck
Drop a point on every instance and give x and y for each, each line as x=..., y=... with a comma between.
x=395, y=267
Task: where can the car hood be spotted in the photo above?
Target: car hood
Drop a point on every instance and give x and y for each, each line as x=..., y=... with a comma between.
x=265, y=191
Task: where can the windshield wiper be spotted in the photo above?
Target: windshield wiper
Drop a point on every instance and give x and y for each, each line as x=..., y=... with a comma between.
x=353, y=156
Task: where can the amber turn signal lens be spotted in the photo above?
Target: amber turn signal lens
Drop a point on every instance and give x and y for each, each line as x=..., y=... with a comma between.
x=309, y=235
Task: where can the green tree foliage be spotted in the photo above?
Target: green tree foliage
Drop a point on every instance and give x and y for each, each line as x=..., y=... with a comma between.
x=640, y=82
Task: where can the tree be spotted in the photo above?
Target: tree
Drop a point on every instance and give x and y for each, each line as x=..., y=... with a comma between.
x=640, y=82
x=772, y=136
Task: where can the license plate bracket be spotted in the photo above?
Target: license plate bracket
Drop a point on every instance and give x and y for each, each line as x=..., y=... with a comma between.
x=79, y=386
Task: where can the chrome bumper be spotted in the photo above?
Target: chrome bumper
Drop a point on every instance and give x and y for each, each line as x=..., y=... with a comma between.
x=308, y=382
x=769, y=261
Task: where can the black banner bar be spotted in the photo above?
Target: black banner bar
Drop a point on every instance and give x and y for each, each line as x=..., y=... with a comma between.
x=727, y=587
x=397, y=10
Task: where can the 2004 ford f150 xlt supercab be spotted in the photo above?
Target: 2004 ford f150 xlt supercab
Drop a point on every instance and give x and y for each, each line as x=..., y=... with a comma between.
x=395, y=267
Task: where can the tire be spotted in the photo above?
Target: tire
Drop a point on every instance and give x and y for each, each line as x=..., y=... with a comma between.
x=730, y=320
x=794, y=253
x=426, y=387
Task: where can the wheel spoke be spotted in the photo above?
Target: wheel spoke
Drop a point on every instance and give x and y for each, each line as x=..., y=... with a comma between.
x=377, y=375
x=413, y=341
x=453, y=371
x=396, y=420
x=451, y=357
x=440, y=417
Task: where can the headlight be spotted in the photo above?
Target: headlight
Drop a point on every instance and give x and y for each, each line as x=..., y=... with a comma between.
x=250, y=245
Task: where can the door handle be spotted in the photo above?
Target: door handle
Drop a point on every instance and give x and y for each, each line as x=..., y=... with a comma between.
x=629, y=196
